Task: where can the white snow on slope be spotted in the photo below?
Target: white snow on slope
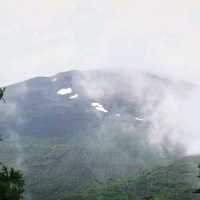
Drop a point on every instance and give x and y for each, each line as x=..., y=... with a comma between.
x=94, y=104
x=54, y=80
x=139, y=119
x=118, y=115
x=74, y=96
x=99, y=107
x=64, y=91
x=102, y=109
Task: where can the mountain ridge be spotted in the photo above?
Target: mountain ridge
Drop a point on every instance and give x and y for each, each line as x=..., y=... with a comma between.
x=107, y=131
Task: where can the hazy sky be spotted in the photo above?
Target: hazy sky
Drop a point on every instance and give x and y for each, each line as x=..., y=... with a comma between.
x=41, y=37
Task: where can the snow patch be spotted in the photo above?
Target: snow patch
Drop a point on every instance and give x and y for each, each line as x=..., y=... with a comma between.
x=102, y=109
x=118, y=115
x=99, y=107
x=94, y=104
x=74, y=96
x=139, y=119
x=64, y=91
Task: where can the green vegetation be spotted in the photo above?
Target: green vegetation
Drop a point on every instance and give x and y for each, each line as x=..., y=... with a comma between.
x=174, y=182
x=11, y=184
x=64, y=169
x=197, y=191
x=11, y=180
x=132, y=190
x=112, y=190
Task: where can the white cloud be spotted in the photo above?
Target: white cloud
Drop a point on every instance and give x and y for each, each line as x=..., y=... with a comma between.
x=40, y=37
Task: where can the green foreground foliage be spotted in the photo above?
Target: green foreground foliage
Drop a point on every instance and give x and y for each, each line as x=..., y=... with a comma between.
x=11, y=184
x=11, y=181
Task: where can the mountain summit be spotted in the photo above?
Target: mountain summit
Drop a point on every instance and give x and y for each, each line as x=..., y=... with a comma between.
x=76, y=127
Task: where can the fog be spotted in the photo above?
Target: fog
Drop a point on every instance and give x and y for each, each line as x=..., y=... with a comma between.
x=169, y=105
x=128, y=37
x=40, y=37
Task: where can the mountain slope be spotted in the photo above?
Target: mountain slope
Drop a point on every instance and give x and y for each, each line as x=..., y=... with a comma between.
x=176, y=181
x=71, y=129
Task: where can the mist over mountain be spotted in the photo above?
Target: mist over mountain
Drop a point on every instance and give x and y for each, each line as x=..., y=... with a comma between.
x=79, y=126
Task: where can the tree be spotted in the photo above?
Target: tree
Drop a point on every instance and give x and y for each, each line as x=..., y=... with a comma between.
x=2, y=91
x=11, y=184
x=11, y=180
x=198, y=190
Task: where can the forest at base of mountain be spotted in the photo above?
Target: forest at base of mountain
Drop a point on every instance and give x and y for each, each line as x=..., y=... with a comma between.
x=178, y=181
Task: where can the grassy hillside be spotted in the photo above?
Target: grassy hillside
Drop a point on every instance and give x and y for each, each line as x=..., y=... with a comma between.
x=55, y=166
x=177, y=181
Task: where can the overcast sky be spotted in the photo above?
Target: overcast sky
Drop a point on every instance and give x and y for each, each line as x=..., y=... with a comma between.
x=43, y=37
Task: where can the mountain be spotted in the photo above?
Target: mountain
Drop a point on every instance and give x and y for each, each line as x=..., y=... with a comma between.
x=179, y=180
x=65, y=103
x=176, y=181
x=77, y=127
